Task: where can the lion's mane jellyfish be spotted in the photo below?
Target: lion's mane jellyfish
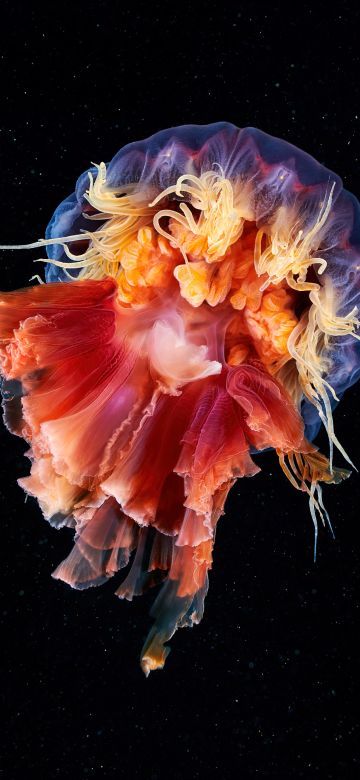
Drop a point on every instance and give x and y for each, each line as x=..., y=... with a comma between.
x=200, y=306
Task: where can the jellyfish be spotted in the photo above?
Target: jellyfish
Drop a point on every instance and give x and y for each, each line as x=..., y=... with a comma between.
x=199, y=307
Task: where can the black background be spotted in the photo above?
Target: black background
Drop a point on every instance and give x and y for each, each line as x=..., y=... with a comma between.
x=267, y=685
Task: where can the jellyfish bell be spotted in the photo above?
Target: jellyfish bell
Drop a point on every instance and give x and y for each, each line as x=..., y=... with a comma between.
x=200, y=306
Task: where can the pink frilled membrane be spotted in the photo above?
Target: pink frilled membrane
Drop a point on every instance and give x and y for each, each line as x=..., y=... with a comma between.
x=200, y=306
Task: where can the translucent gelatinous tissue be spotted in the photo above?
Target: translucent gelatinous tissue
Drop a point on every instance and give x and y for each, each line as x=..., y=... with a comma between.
x=200, y=305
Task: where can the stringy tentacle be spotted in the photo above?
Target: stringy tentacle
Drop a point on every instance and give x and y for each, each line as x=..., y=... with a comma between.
x=305, y=471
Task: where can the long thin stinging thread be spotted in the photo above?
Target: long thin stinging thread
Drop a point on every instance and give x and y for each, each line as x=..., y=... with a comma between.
x=314, y=491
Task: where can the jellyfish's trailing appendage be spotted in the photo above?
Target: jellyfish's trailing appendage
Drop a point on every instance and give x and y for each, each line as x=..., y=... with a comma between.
x=200, y=306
